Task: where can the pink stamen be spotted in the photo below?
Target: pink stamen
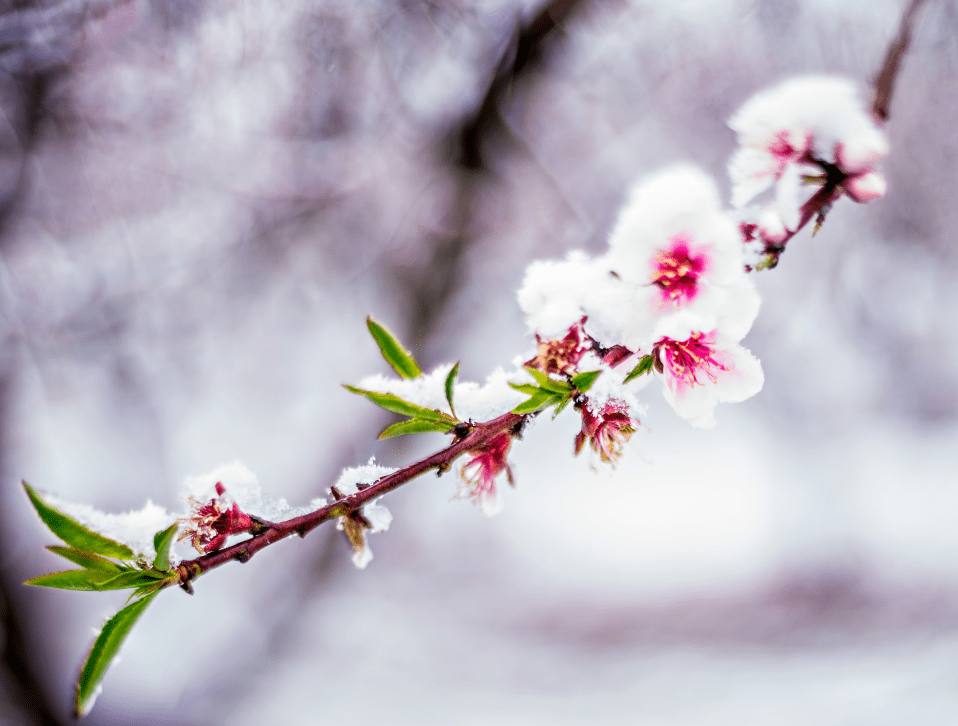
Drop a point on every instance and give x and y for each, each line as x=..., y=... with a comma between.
x=687, y=359
x=676, y=271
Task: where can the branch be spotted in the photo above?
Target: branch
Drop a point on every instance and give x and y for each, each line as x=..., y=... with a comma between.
x=885, y=81
x=352, y=504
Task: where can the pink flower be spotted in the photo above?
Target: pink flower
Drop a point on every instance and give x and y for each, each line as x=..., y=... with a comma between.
x=676, y=269
x=703, y=369
x=480, y=472
x=213, y=521
x=606, y=432
x=675, y=250
x=817, y=124
x=558, y=356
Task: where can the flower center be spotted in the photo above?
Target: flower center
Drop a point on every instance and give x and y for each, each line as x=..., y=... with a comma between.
x=677, y=272
x=688, y=358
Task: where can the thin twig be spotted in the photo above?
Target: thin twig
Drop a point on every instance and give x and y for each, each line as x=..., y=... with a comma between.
x=351, y=504
x=885, y=81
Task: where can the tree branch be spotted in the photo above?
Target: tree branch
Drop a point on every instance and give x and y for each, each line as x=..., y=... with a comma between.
x=352, y=504
x=885, y=81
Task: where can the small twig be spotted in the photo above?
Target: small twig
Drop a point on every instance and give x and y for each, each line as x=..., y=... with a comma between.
x=350, y=505
x=885, y=81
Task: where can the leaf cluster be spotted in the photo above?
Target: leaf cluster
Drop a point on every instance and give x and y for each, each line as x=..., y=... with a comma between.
x=105, y=565
x=420, y=420
x=548, y=391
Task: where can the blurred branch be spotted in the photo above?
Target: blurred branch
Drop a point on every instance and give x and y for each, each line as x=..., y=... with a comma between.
x=467, y=144
x=27, y=691
x=37, y=39
x=885, y=81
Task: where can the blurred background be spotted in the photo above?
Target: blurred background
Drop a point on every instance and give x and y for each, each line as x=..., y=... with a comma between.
x=201, y=202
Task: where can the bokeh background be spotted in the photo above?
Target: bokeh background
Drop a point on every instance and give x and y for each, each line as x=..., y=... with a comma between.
x=201, y=202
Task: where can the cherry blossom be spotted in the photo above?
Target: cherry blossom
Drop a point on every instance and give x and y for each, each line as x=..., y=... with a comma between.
x=703, y=369
x=479, y=473
x=559, y=356
x=213, y=521
x=607, y=430
x=813, y=127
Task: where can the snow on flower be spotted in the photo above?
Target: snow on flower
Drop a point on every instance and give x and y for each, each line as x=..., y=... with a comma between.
x=212, y=521
x=607, y=430
x=680, y=251
x=675, y=269
x=244, y=489
x=556, y=294
x=806, y=124
x=479, y=473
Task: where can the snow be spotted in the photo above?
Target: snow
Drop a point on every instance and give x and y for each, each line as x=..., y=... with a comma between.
x=473, y=401
x=134, y=529
x=379, y=517
x=243, y=487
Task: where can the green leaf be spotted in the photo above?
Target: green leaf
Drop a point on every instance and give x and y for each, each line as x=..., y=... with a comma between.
x=89, y=580
x=550, y=384
x=416, y=426
x=398, y=357
x=583, y=382
x=104, y=651
x=450, y=381
x=526, y=388
x=565, y=402
x=161, y=543
x=94, y=580
x=394, y=403
x=155, y=587
x=75, y=534
x=541, y=400
x=644, y=366
x=87, y=560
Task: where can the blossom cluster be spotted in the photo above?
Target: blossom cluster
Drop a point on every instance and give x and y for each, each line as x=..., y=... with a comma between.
x=808, y=132
x=672, y=297
x=671, y=289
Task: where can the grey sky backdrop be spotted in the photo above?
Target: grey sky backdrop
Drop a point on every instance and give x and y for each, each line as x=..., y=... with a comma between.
x=200, y=204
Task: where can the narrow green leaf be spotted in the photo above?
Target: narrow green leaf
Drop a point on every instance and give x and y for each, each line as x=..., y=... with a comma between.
x=126, y=580
x=89, y=580
x=104, y=650
x=394, y=403
x=75, y=534
x=87, y=560
x=526, y=388
x=161, y=543
x=450, y=381
x=583, y=382
x=155, y=587
x=95, y=580
x=550, y=384
x=398, y=357
x=642, y=367
x=539, y=401
x=565, y=402
x=416, y=426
